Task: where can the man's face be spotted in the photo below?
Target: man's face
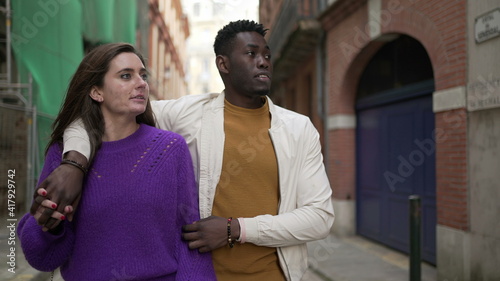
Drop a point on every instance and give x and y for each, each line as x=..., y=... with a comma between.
x=250, y=65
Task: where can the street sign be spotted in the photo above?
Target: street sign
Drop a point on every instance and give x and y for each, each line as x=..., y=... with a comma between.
x=483, y=93
x=487, y=26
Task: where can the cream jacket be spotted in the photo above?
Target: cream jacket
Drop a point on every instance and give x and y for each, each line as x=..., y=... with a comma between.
x=305, y=209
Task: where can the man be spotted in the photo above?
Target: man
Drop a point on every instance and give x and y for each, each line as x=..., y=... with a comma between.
x=259, y=167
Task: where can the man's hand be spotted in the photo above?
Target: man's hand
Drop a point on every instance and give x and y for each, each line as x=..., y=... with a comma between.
x=210, y=233
x=62, y=187
x=47, y=209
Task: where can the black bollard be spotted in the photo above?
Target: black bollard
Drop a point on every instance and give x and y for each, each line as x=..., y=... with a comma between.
x=415, y=218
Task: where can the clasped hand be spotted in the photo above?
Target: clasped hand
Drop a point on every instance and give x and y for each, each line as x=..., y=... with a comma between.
x=209, y=233
x=46, y=214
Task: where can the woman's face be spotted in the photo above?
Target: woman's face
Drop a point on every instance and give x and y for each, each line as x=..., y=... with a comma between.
x=125, y=91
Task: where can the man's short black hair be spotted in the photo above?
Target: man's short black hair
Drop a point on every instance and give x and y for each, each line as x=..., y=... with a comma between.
x=225, y=36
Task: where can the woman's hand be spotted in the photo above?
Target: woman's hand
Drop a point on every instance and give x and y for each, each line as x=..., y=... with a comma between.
x=47, y=209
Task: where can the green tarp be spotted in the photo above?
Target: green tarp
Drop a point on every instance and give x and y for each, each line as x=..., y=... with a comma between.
x=109, y=20
x=48, y=42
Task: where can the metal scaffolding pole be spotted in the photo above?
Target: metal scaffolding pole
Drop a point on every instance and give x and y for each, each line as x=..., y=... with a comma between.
x=7, y=44
x=32, y=145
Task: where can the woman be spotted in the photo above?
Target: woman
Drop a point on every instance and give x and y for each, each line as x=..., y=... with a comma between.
x=139, y=189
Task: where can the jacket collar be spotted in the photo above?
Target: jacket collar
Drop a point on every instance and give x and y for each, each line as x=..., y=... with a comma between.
x=218, y=102
x=275, y=118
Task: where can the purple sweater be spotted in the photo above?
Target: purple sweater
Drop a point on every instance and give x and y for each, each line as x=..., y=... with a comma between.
x=138, y=193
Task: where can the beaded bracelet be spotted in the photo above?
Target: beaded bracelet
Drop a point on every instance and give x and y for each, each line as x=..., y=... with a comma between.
x=76, y=164
x=229, y=240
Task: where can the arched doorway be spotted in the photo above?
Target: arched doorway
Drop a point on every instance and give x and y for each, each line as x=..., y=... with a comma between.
x=395, y=147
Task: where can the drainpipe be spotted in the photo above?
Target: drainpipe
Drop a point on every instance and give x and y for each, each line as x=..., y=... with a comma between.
x=321, y=83
x=322, y=96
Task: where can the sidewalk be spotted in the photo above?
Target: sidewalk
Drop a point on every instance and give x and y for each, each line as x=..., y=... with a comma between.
x=354, y=258
x=332, y=259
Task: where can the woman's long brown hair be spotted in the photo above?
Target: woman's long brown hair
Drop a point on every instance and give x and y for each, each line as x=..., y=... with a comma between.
x=79, y=105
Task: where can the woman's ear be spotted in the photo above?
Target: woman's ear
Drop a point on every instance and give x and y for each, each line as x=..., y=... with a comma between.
x=96, y=95
x=222, y=63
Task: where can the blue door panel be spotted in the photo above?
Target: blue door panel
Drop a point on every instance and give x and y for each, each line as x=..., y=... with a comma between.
x=399, y=133
x=397, y=222
x=369, y=124
x=429, y=230
x=369, y=217
x=395, y=159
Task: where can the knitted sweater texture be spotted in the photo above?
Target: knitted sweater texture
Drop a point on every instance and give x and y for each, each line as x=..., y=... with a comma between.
x=138, y=193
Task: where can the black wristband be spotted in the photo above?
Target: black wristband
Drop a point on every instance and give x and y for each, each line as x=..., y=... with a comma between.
x=74, y=163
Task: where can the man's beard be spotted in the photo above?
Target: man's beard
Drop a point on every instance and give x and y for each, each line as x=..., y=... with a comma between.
x=262, y=92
